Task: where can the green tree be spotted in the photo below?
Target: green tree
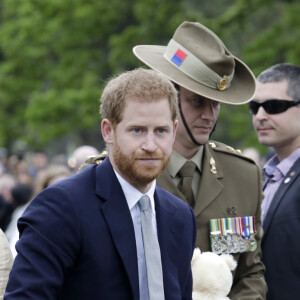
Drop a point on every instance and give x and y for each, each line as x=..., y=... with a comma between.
x=54, y=61
x=56, y=56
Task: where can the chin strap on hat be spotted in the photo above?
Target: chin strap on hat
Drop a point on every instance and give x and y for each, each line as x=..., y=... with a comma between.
x=186, y=125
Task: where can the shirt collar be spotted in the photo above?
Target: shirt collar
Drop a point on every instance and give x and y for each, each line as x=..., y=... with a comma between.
x=177, y=161
x=133, y=195
x=282, y=166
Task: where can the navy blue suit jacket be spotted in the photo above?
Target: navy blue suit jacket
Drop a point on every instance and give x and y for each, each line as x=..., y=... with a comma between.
x=77, y=242
x=280, y=243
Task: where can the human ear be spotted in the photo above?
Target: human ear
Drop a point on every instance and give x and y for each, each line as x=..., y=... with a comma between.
x=107, y=131
x=175, y=125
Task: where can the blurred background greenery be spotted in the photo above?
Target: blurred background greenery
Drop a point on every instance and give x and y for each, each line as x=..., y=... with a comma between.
x=56, y=55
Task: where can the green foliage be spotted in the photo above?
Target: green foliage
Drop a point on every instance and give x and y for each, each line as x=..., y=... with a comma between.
x=278, y=42
x=56, y=56
x=54, y=63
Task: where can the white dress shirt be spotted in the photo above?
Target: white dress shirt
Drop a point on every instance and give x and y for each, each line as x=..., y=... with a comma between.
x=133, y=196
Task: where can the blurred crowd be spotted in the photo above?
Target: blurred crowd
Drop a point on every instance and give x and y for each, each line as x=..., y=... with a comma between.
x=23, y=177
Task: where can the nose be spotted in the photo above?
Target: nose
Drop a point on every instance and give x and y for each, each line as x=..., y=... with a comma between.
x=261, y=114
x=149, y=144
x=208, y=110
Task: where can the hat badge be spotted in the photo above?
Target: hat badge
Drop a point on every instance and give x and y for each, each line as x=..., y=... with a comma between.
x=222, y=83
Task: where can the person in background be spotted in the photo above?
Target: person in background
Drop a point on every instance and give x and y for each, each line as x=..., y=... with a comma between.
x=39, y=162
x=222, y=186
x=80, y=155
x=7, y=182
x=3, y=160
x=276, y=120
x=108, y=232
x=6, y=261
x=253, y=154
x=44, y=178
x=22, y=174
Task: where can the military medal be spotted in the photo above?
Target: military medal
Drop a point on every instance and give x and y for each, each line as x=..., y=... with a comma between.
x=252, y=240
x=231, y=245
x=249, y=232
x=232, y=235
x=245, y=224
x=240, y=240
x=223, y=241
x=217, y=247
x=242, y=244
x=235, y=244
x=215, y=236
x=229, y=237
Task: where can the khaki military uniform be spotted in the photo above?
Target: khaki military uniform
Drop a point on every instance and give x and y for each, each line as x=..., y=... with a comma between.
x=231, y=186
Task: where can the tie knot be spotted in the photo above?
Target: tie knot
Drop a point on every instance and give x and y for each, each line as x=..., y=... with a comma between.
x=144, y=203
x=188, y=169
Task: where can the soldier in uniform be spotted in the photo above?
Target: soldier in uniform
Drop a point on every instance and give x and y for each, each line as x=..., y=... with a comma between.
x=223, y=187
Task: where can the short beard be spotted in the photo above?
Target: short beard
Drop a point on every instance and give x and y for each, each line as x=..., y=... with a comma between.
x=135, y=174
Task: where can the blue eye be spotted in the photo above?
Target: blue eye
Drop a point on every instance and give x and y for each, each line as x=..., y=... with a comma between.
x=137, y=130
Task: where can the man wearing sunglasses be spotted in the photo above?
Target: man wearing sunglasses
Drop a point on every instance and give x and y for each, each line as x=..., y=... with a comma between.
x=276, y=119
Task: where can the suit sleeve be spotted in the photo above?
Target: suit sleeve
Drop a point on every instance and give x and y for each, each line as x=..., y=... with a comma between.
x=187, y=294
x=249, y=282
x=48, y=245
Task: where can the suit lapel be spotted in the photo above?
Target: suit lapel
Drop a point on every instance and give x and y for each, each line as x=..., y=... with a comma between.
x=164, y=209
x=210, y=186
x=169, y=231
x=117, y=215
x=282, y=189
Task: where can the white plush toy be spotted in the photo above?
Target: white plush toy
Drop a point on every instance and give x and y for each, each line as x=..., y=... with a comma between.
x=212, y=277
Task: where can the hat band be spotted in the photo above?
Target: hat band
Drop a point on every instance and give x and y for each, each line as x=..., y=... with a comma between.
x=193, y=67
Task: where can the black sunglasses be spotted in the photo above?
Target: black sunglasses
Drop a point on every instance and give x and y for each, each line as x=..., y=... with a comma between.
x=272, y=106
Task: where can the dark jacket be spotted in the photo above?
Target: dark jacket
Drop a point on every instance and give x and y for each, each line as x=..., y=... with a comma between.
x=280, y=245
x=77, y=242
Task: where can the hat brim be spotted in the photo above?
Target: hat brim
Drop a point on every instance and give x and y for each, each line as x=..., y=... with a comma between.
x=241, y=90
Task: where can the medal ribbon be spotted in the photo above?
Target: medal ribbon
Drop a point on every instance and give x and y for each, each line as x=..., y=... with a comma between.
x=222, y=226
x=252, y=225
x=243, y=227
x=214, y=229
x=214, y=225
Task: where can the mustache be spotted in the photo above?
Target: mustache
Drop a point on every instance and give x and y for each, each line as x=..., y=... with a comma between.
x=149, y=156
x=263, y=125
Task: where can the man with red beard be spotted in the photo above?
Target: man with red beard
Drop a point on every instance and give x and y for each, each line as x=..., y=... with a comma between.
x=108, y=232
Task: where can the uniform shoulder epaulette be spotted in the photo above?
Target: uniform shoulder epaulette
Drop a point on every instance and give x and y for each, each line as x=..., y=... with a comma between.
x=95, y=159
x=220, y=147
